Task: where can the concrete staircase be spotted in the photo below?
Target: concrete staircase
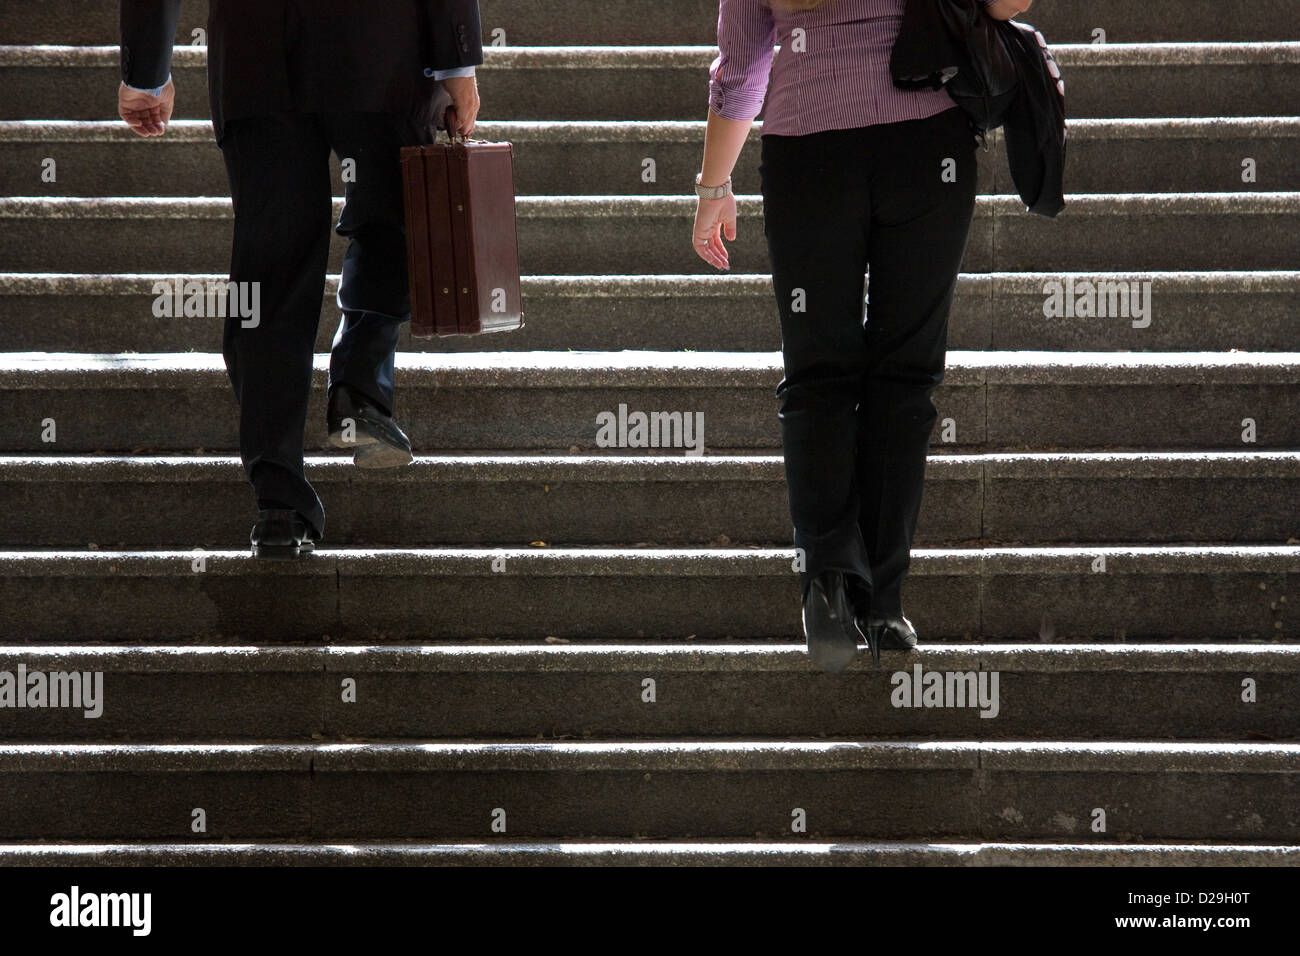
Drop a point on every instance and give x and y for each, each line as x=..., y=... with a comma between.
x=530, y=649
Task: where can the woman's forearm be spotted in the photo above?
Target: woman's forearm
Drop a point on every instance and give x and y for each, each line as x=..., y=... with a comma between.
x=723, y=141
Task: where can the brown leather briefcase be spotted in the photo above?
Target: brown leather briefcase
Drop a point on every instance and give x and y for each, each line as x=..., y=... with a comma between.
x=462, y=250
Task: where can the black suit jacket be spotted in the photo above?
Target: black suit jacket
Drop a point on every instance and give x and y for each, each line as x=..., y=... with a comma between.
x=269, y=56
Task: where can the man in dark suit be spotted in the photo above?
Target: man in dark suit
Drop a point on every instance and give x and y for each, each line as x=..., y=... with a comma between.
x=289, y=81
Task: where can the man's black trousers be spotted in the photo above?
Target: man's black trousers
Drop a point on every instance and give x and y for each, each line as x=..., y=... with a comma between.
x=855, y=406
x=279, y=174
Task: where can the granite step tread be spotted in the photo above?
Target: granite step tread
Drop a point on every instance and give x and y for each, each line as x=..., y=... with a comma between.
x=519, y=692
x=693, y=21
x=669, y=81
x=615, y=57
x=649, y=853
x=1192, y=310
x=1112, y=594
x=541, y=658
x=570, y=234
x=606, y=206
x=640, y=367
x=988, y=400
x=1107, y=155
x=124, y=502
x=656, y=756
x=961, y=790
x=634, y=468
x=567, y=132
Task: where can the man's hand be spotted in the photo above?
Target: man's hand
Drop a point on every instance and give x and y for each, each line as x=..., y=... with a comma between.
x=146, y=115
x=463, y=111
x=1007, y=9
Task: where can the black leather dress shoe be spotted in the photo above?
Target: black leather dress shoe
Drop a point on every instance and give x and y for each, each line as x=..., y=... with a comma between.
x=828, y=623
x=891, y=632
x=281, y=535
x=358, y=424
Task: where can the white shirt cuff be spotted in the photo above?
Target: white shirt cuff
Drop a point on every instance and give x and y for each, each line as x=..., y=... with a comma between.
x=156, y=91
x=448, y=74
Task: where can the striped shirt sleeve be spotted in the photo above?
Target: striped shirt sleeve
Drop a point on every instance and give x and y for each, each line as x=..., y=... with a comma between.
x=738, y=76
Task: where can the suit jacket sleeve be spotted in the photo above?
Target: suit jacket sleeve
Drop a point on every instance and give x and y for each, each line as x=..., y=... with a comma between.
x=148, y=28
x=456, y=38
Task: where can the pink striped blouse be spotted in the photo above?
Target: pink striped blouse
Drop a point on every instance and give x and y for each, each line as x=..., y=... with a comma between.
x=834, y=75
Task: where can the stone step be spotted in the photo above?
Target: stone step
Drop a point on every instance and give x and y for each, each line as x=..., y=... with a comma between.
x=619, y=22
x=1105, y=156
x=122, y=503
x=671, y=82
x=588, y=234
x=969, y=790
x=988, y=692
x=1044, y=595
x=747, y=853
x=988, y=401
x=1199, y=311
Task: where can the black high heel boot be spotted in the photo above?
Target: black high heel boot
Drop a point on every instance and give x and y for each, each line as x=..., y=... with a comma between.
x=888, y=631
x=829, y=624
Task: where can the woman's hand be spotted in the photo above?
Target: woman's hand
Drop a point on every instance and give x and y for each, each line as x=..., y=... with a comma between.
x=714, y=218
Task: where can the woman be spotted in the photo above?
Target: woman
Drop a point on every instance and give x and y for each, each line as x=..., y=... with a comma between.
x=855, y=174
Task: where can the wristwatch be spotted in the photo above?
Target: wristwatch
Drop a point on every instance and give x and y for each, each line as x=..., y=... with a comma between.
x=712, y=192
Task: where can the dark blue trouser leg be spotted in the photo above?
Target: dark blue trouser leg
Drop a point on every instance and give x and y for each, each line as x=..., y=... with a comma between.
x=373, y=289
x=364, y=354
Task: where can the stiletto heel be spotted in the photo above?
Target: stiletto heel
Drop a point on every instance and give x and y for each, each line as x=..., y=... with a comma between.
x=887, y=631
x=873, y=634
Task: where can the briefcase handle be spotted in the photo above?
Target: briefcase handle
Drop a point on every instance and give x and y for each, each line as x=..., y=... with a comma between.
x=458, y=138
